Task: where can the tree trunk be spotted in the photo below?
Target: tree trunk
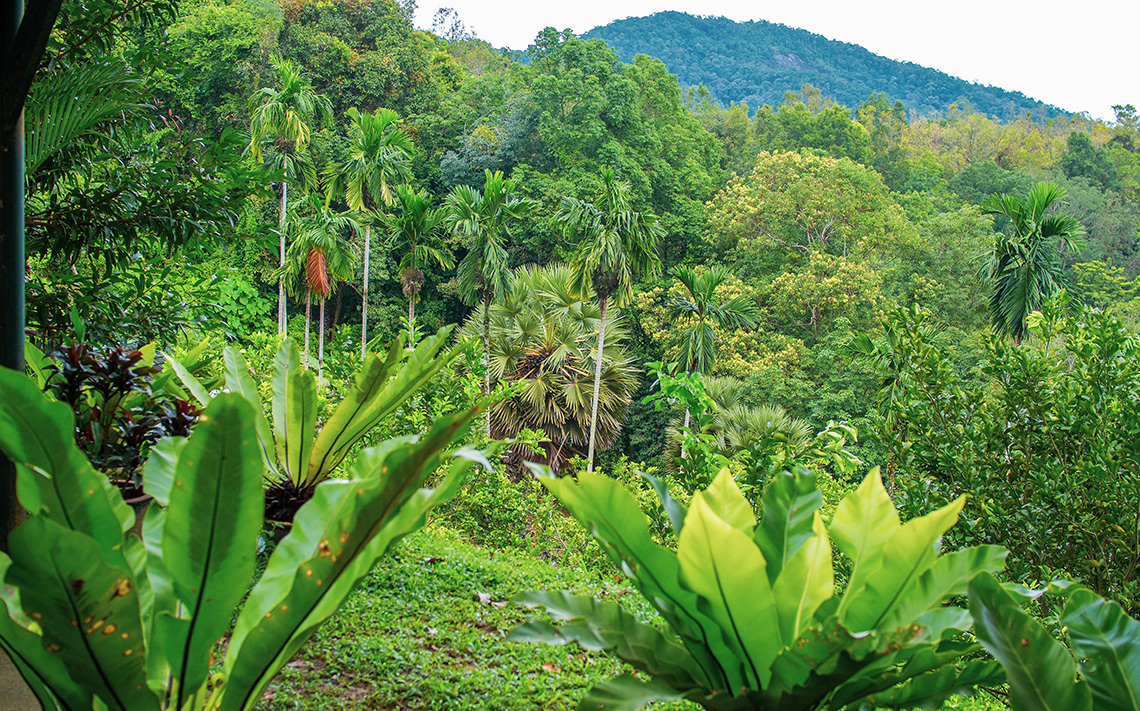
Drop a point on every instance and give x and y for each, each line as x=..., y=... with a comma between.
x=487, y=355
x=411, y=319
x=321, y=344
x=364, y=295
x=597, y=384
x=308, y=320
x=281, y=321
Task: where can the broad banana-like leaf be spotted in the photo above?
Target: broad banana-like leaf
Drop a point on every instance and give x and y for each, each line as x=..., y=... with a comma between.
x=55, y=479
x=379, y=389
x=1110, y=642
x=627, y=693
x=87, y=609
x=806, y=581
x=597, y=625
x=193, y=385
x=209, y=536
x=294, y=413
x=1041, y=674
x=616, y=521
x=789, y=507
x=238, y=381
x=675, y=511
x=158, y=472
x=949, y=575
x=910, y=550
x=336, y=538
x=726, y=570
x=43, y=671
x=864, y=521
x=725, y=499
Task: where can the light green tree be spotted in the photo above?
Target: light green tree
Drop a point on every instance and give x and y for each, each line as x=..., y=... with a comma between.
x=614, y=242
x=380, y=155
x=482, y=219
x=1024, y=266
x=279, y=122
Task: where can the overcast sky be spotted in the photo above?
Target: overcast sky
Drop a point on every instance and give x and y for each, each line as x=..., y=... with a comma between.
x=1079, y=56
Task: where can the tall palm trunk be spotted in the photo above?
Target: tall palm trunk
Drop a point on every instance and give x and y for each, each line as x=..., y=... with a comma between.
x=281, y=229
x=597, y=384
x=308, y=320
x=411, y=318
x=321, y=344
x=487, y=355
x=364, y=296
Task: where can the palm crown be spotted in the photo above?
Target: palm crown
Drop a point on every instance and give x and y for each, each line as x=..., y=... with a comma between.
x=1024, y=266
x=615, y=241
x=698, y=305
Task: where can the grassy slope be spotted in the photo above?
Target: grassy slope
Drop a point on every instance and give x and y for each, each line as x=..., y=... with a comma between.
x=422, y=633
x=427, y=631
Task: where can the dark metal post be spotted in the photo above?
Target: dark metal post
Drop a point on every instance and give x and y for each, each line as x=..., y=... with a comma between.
x=11, y=255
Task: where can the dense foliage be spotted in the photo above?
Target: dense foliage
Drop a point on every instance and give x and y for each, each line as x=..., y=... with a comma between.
x=840, y=279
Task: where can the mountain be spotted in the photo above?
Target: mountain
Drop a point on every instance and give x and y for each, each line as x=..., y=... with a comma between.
x=756, y=62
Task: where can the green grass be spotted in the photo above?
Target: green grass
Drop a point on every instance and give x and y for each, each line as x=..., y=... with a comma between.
x=426, y=630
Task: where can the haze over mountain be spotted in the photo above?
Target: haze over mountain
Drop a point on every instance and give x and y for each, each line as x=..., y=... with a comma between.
x=757, y=62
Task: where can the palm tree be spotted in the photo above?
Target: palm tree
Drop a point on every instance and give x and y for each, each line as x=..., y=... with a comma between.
x=415, y=230
x=380, y=156
x=482, y=220
x=699, y=307
x=615, y=241
x=1024, y=266
x=279, y=119
x=544, y=336
x=319, y=259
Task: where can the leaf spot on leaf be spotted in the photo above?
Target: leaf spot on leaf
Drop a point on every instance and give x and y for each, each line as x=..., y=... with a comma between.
x=110, y=629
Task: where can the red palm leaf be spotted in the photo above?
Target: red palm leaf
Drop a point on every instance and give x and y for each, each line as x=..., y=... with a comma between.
x=317, y=273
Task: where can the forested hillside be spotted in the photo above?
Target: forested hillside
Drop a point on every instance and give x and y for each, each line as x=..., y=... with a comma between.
x=314, y=265
x=756, y=62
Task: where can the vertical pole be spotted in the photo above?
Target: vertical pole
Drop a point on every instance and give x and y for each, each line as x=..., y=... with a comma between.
x=11, y=258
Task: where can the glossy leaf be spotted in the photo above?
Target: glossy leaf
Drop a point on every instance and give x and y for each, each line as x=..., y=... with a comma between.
x=158, y=472
x=864, y=521
x=193, y=385
x=1110, y=642
x=725, y=499
x=55, y=479
x=1040, y=671
x=907, y=554
x=597, y=625
x=627, y=693
x=674, y=510
x=43, y=671
x=787, y=519
x=238, y=380
x=209, y=537
x=294, y=413
x=949, y=575
x=725, y=569
x=806, y=581
x=87, y=609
